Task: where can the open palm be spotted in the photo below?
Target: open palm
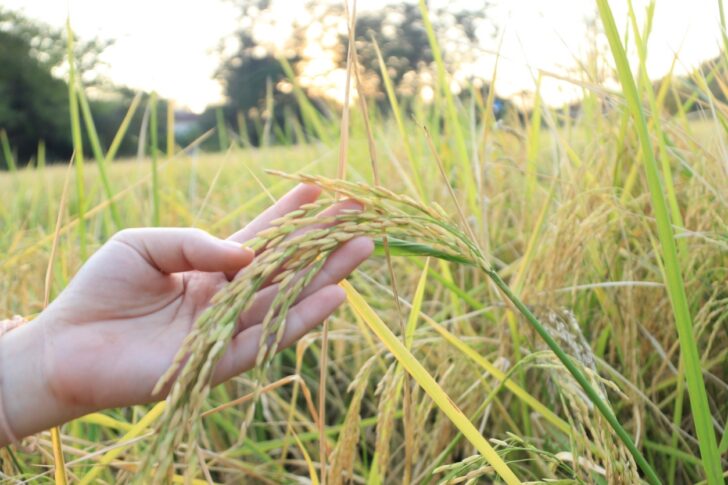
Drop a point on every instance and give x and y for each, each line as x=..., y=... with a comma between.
x=119, y=324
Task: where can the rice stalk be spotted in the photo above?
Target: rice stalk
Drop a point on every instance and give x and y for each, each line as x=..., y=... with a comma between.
x=77, y=140
x=397, y=113
x=673, y=274
x=453, y=121
x=291, y=258
x=222, y=134
x=454, y=415
x=123, y=127
x=281, y=255
x=101, y=159
x=58, y=459
x=309, y=462
x=154, y=152
x=170, y=129
x=343, y=456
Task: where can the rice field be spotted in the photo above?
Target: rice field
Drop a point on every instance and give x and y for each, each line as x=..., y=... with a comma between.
x=547, y=301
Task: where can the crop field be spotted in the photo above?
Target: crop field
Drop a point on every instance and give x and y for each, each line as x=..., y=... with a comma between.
x=547, y=300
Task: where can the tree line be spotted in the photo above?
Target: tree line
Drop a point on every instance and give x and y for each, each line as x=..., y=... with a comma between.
x=260, y=77
x=34, y=106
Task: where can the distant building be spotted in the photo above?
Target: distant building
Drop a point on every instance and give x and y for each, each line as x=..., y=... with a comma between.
x=185, y=123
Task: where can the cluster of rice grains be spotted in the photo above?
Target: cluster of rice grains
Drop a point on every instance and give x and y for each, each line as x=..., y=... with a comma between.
x=290, y=256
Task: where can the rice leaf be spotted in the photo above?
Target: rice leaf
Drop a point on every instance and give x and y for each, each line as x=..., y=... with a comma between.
x=137, y=429
x=77, y=141
x=400, y=247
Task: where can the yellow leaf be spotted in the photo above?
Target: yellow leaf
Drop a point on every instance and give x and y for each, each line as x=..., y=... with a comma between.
x=307, y=457
x=428, y=383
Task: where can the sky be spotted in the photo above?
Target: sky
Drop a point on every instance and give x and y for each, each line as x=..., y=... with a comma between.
x=170, y=46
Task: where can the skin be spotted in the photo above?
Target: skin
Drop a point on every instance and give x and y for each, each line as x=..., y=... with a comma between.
x=109, y=336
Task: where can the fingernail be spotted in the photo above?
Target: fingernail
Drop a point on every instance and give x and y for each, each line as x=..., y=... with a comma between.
x=239, y=247
x=339, y=292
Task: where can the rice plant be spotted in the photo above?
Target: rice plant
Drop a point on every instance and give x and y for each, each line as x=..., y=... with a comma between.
x=554, y=307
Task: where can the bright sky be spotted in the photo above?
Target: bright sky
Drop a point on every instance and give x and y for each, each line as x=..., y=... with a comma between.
x=169, y=46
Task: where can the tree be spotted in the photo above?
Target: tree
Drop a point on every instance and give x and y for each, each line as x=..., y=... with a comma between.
x=685, y=90
x=253, y=76
x=33, y=103
x=47, y=45
x=34, y=94
x=253, y=79
x=399, y=31
x=33, y=100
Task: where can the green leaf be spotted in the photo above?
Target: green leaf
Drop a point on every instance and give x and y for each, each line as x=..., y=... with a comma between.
x=400, y=247
x=673, y=274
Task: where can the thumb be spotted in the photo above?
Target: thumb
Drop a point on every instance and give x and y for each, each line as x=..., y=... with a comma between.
x=173, y=250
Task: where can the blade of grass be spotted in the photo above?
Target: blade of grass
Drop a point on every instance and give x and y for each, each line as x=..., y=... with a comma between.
x=7, y=151
x=723, y=447
x=243, y=130
x=59, y=461
x=676, y=288
x=222, y=135
x=646, y=84
x=121, y=132
x=309, y=463
x=511, y=385
x=677, y=416
x=268, y=113
x=311, y=116
x=428, y=383
x=409, y=334
x=98, y=152
x=41, y=155
x=105, y=421
x=397, y=112
x=170, y=128
x=155, y=169
x=77, y=141
x=533, y=142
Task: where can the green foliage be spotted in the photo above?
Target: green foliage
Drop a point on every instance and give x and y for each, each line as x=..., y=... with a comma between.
x=684, y=91
x=252, y=78
x=399, y=31
x=674, y=279
x=589, y=249
x=33, y=103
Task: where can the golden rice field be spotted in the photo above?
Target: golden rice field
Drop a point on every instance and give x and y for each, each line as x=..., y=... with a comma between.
x=556, y=308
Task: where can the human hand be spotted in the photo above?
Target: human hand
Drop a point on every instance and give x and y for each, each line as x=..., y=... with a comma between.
x=110, y=335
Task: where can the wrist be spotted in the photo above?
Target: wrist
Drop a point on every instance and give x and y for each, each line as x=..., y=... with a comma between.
x=26, y=398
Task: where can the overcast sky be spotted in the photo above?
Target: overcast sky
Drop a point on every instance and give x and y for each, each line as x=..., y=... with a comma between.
x=168, y=45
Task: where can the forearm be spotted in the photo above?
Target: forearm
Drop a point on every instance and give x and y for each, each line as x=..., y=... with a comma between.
x=26, y=401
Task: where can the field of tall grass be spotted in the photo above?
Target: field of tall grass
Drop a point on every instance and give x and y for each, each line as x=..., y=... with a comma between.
x=548, y=303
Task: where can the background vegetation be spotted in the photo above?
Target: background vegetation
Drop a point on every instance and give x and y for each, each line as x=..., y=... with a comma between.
x=609, y=219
